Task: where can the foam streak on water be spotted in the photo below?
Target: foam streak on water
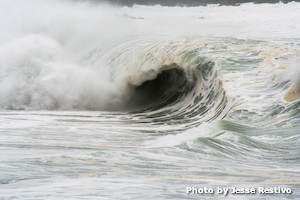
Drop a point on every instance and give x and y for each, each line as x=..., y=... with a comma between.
x=103, y=102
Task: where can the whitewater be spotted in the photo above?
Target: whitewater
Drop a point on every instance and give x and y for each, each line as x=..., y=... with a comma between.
x=99, y=101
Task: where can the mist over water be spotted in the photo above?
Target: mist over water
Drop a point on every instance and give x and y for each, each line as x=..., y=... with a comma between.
x=57, y=55
x=99, y=101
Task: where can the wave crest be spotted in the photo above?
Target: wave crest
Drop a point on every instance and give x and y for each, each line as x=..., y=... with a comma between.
x=154, y=76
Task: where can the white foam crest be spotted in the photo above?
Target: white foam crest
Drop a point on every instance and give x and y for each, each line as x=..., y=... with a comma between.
x=204, y=130
x=293, y=75
x=40, y=53
x=34, y=73
x=293, y=72
x=45, y=45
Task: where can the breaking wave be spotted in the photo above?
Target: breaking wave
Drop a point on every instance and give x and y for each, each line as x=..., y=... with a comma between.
x=153, y=76
x=87, y=57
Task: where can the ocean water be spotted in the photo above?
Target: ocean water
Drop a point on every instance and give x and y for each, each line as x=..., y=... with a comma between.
x=106, y=102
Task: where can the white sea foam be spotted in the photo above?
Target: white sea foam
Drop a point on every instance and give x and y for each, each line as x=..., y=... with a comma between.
x=81, y=55
x=56, y=54
x=204, y=130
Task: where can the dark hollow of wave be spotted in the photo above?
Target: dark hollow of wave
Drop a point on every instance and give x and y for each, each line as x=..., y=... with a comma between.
x=169, y=87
